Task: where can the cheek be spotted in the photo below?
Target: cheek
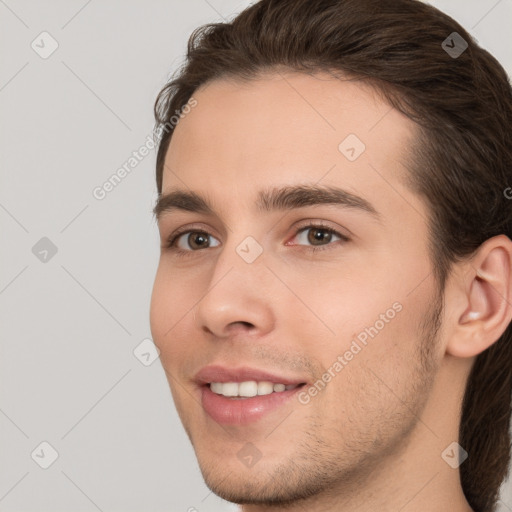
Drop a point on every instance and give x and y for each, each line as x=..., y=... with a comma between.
x=171, y=305
x=369, y=313
x=161, y=303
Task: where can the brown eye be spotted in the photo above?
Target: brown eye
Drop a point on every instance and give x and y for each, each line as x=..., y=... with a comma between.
x=193, y=241
x=317, y=236
x=197, y=240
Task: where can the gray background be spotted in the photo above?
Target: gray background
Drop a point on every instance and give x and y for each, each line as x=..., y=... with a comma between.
x=70, y=324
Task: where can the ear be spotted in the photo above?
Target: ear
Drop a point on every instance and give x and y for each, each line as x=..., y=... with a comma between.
x=485, y=299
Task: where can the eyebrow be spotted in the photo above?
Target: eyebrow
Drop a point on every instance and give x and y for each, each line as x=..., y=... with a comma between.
x=268, y=200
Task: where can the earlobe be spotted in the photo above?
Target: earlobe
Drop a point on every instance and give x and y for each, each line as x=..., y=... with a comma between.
x=487, y=288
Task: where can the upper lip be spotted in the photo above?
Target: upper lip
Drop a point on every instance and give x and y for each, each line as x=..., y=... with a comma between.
x=217, y=373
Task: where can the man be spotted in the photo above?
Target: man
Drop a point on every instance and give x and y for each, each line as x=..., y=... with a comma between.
x=333, y=298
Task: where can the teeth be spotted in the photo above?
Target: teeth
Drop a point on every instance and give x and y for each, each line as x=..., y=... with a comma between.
x=248, y=388
x=216, y=387
x=230, y=389
x=265, y=388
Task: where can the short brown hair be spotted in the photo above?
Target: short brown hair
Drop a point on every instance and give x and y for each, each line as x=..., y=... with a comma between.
x=462, y=162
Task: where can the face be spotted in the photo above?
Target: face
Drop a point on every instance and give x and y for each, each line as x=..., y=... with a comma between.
x=304, y=267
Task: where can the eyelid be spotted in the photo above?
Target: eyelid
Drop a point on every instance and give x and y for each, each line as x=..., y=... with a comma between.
x=312, y=223
x=172, y=238
x=192, y=227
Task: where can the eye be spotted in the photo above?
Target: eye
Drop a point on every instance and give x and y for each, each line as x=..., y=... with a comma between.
x=192, y=241
x=317, y=235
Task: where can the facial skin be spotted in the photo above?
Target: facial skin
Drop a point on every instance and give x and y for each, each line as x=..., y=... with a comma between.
x=372, y=438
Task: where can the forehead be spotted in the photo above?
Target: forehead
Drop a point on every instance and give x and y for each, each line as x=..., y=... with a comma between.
x=288, y=127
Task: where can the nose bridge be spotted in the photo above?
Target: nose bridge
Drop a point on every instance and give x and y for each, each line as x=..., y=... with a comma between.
x=242, y=255
x=238, y=288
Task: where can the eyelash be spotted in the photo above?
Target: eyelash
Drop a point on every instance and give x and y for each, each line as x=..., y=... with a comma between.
x=170, y=245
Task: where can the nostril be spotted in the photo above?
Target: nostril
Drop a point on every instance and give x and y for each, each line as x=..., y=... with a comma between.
x=241, y=323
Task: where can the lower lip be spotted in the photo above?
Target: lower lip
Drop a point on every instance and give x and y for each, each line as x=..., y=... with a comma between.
x=242, y=411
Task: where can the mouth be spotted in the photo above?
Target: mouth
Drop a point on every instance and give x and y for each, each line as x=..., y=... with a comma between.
x=231, y=408
x=250, y=388
x=243, y=396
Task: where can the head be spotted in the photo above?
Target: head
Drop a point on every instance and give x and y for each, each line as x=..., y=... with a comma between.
x=398, y=155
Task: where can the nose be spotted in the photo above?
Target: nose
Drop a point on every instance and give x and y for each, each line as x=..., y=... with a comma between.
x=238, y=298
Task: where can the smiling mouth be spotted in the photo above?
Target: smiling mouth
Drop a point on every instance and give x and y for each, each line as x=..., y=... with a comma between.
x=250, y=389
x=242, y=402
